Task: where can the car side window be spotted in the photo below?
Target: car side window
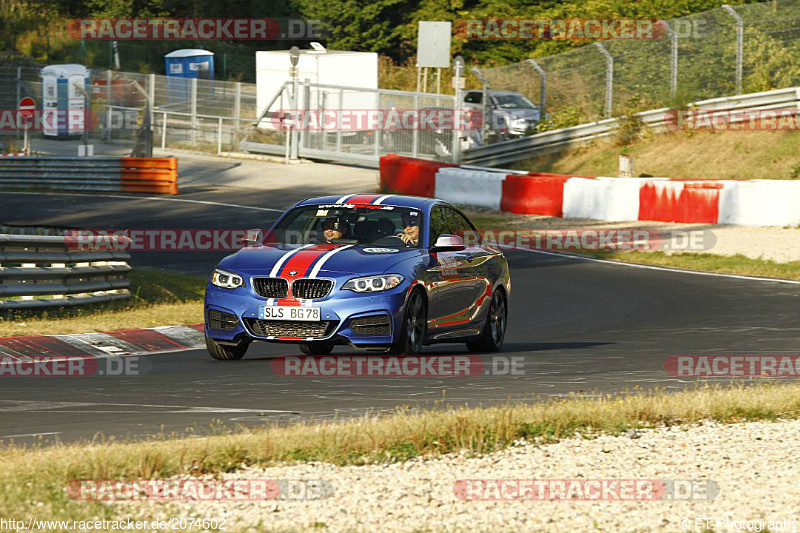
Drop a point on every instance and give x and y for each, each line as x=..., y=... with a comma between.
x=474, y=98
x=457, y=224
x=439, y=225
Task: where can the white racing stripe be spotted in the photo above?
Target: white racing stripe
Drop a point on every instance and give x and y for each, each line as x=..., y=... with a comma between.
x=344, y=198
x=282, y=260
x=380, y=200
x=324, y=258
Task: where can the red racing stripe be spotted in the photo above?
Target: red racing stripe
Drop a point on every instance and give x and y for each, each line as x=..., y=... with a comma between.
x=363, y=199
x=302, y=261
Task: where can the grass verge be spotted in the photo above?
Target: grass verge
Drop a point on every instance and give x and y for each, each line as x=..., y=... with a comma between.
x=724, y=264
x=33, y=480
x=157, y=299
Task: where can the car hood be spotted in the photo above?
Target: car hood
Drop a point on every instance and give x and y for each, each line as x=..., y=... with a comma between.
x=526, y=113
x=325, y=258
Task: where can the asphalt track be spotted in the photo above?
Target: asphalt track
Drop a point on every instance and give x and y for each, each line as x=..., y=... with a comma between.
x=577, y=325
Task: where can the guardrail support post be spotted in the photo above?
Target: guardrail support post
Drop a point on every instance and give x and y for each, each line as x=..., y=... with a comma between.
x=542, y=87
x=609, y=78
x=193, y=108
x=219, y=135
x=739, y=45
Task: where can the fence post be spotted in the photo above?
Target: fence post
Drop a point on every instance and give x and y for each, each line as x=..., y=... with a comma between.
x=339, y=121
x=151, y=113
x=19, y=90
x=219, y=135
x=193, y=110
x=164, y=131
x=609, y=78
x=415, y=131
x=673, y=59
x=108, y=106
x=542, y=87
x=459, y=127
x=486, y=117
x=237, y=114
x=739, y=45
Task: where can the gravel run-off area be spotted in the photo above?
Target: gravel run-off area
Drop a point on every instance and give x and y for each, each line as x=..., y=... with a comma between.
x=754, y=465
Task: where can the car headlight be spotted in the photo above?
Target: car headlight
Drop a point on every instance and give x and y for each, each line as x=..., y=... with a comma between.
x=226, y=280
x=374, y=283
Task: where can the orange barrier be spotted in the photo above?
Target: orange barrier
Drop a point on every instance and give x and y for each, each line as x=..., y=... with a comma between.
x=149, y=174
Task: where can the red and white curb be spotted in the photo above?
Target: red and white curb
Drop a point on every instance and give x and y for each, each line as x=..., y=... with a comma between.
x=126, y=342
x=746, y=202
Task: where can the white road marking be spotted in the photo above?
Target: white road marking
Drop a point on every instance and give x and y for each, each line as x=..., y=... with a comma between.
x=654, y=267
x=70, y=407
x=29, y=435
x=206, y=202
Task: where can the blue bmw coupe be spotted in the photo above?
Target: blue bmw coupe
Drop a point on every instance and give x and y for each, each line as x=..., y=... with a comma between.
x=382, y=272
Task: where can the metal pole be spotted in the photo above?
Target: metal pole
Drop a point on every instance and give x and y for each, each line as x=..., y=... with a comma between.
x=193, y=104
x=542, y=87
x=219, y=135
x=164, y=131
x=458, y=106
x=108, y=106
x=739, y=45
x=19, y=90
x=339, y=122
x=486, y=119
x=415, y=131
x=609, y=78
x=237, y=113
x=151, y=114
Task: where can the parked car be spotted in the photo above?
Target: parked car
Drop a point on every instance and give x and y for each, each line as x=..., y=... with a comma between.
x=515, y=112
x=390, y=273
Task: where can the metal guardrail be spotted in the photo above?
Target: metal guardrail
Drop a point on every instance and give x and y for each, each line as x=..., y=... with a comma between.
x=40, y=271
x=115, y=174
x=556, y=140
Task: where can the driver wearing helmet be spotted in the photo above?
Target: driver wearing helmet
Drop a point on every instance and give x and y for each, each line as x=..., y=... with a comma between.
x=335, y=228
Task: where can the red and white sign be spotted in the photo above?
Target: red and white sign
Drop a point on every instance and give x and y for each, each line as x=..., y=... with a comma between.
x=27, y=107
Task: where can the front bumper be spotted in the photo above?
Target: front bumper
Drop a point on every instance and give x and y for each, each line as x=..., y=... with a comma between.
x=338, y=311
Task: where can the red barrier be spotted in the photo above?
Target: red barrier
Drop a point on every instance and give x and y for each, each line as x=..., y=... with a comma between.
x=538, y=193
x=697, y=202
x=406, y=175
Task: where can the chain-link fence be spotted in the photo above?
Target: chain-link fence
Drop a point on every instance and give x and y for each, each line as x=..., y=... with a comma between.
x=730, y=50
x=201, y=114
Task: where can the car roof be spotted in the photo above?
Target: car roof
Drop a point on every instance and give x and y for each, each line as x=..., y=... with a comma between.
x=395, y=200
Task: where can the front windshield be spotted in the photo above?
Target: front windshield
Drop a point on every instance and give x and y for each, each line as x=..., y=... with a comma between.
x=513, y=101
x=362, y=225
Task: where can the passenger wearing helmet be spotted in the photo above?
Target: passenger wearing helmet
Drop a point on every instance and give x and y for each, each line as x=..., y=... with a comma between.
x=335, y=228
x=410, y=235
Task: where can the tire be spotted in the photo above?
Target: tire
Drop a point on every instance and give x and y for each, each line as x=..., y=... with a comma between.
x=494, y=329
x=415, y=322
x=316, y=348
x=222, y=352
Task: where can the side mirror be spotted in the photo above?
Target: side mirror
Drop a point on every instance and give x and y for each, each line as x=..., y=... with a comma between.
x=252, y=238
x=448, y=243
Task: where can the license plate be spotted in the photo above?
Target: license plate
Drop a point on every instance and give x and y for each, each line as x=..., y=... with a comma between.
x=288, y=312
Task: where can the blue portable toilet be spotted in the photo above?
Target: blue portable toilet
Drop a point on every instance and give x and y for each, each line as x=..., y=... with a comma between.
x=182, y=66
x=64, y=91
